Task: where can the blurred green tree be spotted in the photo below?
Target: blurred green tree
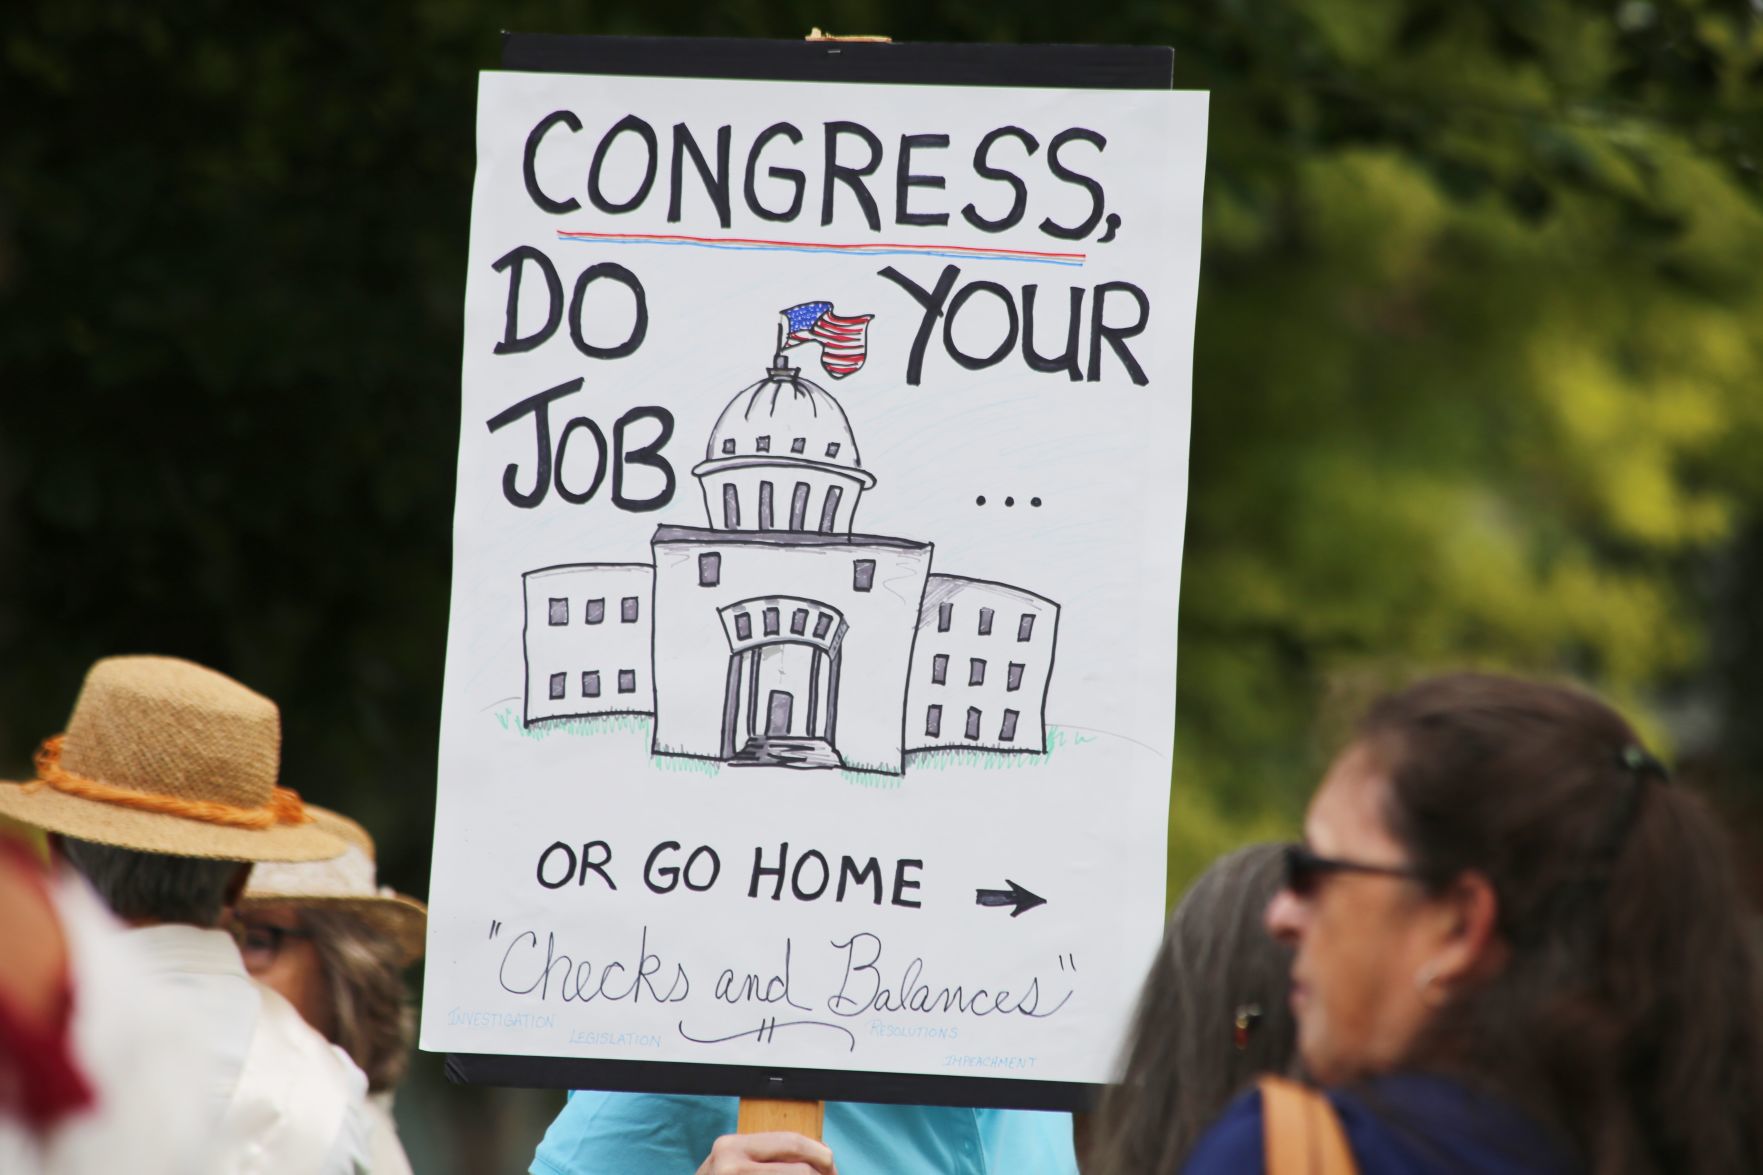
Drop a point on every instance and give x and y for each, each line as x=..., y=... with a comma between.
x=1478, y=368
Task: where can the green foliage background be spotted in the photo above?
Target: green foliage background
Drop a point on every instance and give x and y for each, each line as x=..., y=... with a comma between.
x=1479, y=376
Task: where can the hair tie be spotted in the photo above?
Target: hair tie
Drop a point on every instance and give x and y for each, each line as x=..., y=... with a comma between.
x=1640, y=763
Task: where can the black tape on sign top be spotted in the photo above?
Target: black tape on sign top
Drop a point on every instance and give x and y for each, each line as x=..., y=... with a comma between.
x=1082, y=67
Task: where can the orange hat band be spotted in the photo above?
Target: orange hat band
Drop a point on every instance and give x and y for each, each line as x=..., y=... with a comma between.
x=284, y=804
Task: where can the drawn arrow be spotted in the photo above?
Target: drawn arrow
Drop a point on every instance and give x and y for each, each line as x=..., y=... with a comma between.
x=1016, y=896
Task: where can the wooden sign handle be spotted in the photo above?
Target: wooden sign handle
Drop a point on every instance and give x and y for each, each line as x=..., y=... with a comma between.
x=760, y=1115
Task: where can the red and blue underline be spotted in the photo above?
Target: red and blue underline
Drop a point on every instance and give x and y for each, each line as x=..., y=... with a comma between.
x=870, y=249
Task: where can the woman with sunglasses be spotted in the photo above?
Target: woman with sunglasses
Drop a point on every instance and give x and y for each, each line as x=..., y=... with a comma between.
x=1519, y=948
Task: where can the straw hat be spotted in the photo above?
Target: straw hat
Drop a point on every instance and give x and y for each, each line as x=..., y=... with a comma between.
x=345, y=883
x=163, y=756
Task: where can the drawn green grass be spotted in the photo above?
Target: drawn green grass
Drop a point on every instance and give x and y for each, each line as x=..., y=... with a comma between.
x=594, y=724
x=872, y=780
x=946, y=758
x=939, y=759
x=681, y=765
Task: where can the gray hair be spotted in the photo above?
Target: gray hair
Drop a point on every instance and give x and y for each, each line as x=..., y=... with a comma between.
x=152, y=886
x=1182, y=1065
x=371, y=1014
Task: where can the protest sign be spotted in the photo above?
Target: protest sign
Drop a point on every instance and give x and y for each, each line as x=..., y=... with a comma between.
x=809, y=693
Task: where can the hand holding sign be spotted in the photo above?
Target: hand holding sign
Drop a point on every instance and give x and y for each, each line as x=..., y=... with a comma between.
x=771, y=1153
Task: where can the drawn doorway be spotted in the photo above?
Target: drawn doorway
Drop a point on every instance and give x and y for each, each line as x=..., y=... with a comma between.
x=780, y=701
x=777, y=721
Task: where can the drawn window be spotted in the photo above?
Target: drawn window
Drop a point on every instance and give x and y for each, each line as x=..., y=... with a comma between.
x=829, y=513
x=939, y=669
x=945, y=615
x=590, y=683
x=557, y=680
x=559, y=611
x=985, y=622
x=1007, y=732
x=627, y=610
x=762, y=444
x=596, y=611
x=731, y=507
x=764, y=505
x=771, y=622
x=976, y=671
x=832, y=450
x=709, y=569
x=823, y=624
x=933, y=721
x=972, y=722
x=1015, y=679
x=1025, y=628
x=797, y=445
x=863, y=574
x=799, y=621
x=728, y=446
x=799, y=506
x=743, y=626
x=627, y=681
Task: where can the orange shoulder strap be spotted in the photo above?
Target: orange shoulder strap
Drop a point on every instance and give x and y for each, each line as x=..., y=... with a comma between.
x=1301, y=1134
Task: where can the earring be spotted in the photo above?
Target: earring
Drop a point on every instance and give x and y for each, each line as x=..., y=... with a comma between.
x=1248, y=1016
x=1425, y=982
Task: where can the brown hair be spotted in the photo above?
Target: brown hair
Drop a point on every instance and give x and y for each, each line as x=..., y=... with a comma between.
x=1630, y=1011
x=364, y=977
x=1182, y=1064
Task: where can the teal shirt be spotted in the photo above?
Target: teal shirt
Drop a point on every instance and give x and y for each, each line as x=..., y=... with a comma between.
x=671, y=1134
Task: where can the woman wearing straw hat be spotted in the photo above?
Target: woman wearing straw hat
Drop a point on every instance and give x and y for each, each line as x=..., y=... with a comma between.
x=162, y=793
x=335, y=943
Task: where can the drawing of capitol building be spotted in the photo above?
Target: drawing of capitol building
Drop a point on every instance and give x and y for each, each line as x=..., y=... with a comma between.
x=777, y=635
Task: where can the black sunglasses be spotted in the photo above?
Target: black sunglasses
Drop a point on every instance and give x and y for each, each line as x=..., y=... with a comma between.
x=1304, y=870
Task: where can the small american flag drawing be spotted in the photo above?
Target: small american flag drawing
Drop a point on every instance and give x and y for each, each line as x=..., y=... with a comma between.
x=843, y=339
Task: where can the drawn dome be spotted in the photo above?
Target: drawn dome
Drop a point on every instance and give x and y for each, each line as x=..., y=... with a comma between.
x=782, y=458
x=784, y=415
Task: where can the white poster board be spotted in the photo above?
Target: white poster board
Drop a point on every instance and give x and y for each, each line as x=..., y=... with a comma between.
x=810, y=684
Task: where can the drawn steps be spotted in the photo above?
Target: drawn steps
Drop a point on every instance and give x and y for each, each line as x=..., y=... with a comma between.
x=786, y=751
